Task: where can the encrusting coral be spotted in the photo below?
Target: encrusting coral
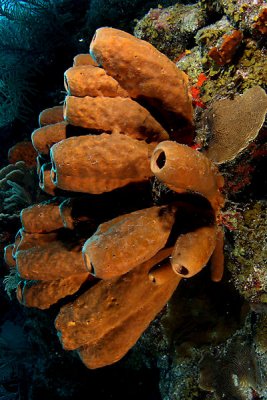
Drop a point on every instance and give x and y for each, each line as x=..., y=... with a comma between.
x=112, y=228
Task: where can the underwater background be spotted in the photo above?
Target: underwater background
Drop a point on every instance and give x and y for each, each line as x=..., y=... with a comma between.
x=210, y=341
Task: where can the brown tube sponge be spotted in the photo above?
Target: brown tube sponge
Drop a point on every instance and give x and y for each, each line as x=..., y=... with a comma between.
x=23, y=151
x=24, y=240
x=145, y=302
x=45, y=180
x=48, y=262
x=43, y=138
x=42, y=294
x=217, y=258
x=66, y=208
x=128, y=240
x=193, y=250
x=84, y=59
x=184, y=169
x=42, y=217
x=51, y=116
x=86, y=80
x=147, y=75
x=117, y=114
x=109, y=318
x=96, y=164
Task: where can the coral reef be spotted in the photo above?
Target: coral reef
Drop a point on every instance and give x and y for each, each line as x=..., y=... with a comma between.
x=247, y=258
x=243, y=14
x=138, y=192
x=240, y=362
x=220, y=41
x=238, y=368
x=246, y=70
x=197, y=317
x=171, y=30
x=119, y=14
